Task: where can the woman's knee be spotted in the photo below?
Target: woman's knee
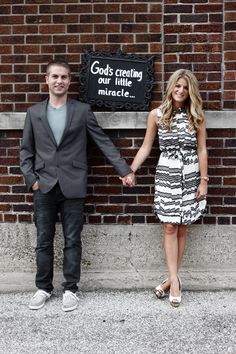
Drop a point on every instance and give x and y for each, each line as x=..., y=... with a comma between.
x=182, y=231
x=170, y=229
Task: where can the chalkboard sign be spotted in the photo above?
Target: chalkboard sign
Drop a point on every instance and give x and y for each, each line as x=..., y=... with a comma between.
x=116, y=80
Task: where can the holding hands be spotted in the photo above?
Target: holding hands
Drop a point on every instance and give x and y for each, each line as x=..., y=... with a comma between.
x=128, y=180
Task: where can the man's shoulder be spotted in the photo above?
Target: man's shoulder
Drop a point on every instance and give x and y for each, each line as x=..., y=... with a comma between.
x=78, y=103
x=38, y=106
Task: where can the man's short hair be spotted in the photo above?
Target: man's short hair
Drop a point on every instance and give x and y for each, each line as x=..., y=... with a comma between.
x=58, y=62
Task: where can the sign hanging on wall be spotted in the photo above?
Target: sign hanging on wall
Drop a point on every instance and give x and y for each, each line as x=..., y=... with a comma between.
x=116, y=80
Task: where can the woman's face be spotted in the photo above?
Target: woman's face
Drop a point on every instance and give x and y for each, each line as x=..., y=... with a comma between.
x=180, y=93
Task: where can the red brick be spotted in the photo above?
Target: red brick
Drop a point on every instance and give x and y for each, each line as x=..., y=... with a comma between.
x=229, y=181
x=138, y=219
x=222, y=133
x=39, y=19
x=10, y=218
x=91, y=18
x=6, y=107
x=223, y=210
x=11, y=20
x=178, y=9
x=214, y=200
x=229, y=162
x=83, y=28
x=109, y=209
x=52, y=29
x=123, y=219
x=97, y=38
x=107, y=189
x=230, y=200
x=178, y=28
x=5, y=207
x=26, y=49
x=10, y=179
x=51, y=9
x=91, y=199
x=208, y=28
x=38, y=39
x=25, y=218
x=4, y=189
x=135, y=48
x=23, y=10
x=125, y=199
x=106, y=8
x=9, y=198
x=208, y=8
x=134, y=8
x=155, y=8
x=66, y=19
x=81, y=8
x=138, y=209
x=193, y=38
x=129, y=27
x=5, y=30
x=209, y=220
x=215, y=18
x=22, y=207
x=25, y=29
x=223, y=220
x=230, y=5
x=5, y=50
x=94, y=219
x=109, y=219
x=196, y=18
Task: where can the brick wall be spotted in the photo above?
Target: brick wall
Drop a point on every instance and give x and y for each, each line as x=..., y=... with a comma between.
x=108, y=201
x=199, y=35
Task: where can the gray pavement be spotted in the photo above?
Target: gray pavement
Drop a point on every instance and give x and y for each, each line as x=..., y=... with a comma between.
x=120, y=322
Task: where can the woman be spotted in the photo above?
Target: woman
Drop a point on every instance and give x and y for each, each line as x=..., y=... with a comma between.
x=181, y=176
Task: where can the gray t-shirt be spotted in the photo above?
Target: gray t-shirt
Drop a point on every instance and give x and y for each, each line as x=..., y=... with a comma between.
x=57, y=120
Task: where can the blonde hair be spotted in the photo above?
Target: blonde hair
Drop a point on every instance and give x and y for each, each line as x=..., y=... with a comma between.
x=192, y=105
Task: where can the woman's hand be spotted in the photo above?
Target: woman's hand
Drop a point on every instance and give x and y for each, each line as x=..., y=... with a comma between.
x=202, y=191
x=128, y=180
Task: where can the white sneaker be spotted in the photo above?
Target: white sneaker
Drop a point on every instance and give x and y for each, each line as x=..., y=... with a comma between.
x=39, y=299
x=69, y=301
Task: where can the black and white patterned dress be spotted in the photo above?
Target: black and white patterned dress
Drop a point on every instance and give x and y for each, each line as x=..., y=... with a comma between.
x=177, y=173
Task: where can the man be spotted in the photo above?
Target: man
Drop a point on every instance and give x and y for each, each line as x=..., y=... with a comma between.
x=53, y=160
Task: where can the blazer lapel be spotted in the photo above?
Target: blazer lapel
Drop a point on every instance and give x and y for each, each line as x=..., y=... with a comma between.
x=69, y=115
x=43, y=117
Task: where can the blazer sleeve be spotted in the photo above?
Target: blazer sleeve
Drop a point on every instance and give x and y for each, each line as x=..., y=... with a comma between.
x=27, y=153
x=106, y=145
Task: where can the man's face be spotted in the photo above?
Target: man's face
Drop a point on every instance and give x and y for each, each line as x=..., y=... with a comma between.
x=58, y=80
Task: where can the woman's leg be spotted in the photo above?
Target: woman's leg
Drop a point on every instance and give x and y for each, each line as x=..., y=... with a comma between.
x=170, y=231
x=171, y=245
x=182, y=236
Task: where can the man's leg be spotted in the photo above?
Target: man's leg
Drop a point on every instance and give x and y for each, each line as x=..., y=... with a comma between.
x=72, y=215
x=45, y=213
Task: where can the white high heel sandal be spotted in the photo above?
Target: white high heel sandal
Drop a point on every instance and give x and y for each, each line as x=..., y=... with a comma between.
x=159, y=291
x=176, y=300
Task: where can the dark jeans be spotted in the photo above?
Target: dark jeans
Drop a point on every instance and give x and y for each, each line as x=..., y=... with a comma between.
x=46, y=208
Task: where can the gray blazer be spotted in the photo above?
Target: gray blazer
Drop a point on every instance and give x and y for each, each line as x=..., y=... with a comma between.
x=43, y=160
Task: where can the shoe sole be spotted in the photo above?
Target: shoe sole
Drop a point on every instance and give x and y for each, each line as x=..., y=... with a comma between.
x=175, y=304
x=36, y=307
x=67, y=309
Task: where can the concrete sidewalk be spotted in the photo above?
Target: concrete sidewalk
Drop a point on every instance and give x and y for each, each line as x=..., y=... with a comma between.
x=120, y=322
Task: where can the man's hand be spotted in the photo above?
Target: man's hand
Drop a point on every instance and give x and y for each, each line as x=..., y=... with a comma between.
x=35, y=186
x=128, y=180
